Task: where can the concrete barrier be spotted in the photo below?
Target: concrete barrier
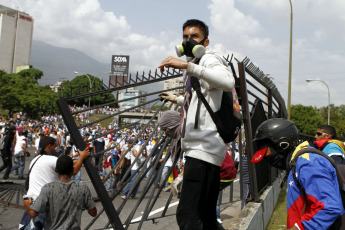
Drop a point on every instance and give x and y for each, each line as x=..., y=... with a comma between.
x=256, y=215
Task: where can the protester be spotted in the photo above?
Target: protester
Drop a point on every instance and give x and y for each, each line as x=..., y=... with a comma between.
x=63, y=201
x=136, y=163
x=108, y=166
x=6, y=152
x=227, y=176
x=20, y=150
x=315, y=202
x=204, y=148
x=43, y=172
x=325, y=141
x=37, y=143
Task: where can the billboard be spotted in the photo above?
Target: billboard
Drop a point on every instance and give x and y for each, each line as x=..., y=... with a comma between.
x=119, y=70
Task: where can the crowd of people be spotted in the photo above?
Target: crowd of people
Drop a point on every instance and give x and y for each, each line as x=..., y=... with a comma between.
x=102, y=143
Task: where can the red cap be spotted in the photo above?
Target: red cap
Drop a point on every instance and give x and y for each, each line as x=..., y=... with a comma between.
x=259, y=155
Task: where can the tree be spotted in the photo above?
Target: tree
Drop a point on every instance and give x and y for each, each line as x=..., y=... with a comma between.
x=80, y=85
x=306, y=118
x=155, y=107
x=32, y=73
x=337, y=119
x=20, y=92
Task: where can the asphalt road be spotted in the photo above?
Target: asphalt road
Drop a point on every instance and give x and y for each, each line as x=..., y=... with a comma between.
x=10, y=214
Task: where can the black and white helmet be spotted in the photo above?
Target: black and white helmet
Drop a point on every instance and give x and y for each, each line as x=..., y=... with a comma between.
x=280, y=132
x=280, y=136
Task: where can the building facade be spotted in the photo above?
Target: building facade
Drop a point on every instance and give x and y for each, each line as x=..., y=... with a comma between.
x=16, y=30
x=130, y=93
x=174, y=83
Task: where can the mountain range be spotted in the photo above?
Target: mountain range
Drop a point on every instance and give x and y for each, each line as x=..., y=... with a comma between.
x=60, y=64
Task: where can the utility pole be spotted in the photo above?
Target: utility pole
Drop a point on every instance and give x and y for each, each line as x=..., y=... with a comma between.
x=290, y=65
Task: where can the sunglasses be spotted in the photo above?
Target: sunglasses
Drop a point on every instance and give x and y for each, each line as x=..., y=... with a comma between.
x=321, y=134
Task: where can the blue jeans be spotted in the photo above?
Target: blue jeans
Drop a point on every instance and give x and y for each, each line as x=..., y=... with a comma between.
x=165, y=174
x=20, y=164
x=108, y=182
x=38, y=222
x=78, y=175
x=129, y=185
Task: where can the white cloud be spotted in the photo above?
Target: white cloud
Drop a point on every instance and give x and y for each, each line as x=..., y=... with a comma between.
x=258, y=29
x=225, y=18
x=83, y=25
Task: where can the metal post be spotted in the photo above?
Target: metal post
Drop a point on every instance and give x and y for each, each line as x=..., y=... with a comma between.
x=89, y=88
x=290, y=65
x=329, y=98
x=248, y=134
x=90, y=169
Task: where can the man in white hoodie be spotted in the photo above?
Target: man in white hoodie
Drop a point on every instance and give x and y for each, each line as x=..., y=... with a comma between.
x=204, y=148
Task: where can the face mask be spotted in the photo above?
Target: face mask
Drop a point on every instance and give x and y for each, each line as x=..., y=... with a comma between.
x=190, y=48
x=172, y=133
x=278, y=160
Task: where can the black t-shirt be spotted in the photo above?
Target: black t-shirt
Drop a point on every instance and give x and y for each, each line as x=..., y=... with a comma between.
x=99, y=145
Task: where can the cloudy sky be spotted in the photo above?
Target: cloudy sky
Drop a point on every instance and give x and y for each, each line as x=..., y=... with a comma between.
x=148, y=31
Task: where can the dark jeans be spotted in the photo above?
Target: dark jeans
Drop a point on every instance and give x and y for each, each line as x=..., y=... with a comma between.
x=200, y=188
x=99, y=162
x=7, y=165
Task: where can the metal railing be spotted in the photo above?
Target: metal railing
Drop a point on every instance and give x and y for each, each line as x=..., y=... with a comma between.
x=259, y=99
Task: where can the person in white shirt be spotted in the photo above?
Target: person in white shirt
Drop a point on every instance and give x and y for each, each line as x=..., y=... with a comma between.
x=20, y=150
x=166, y=169
x=43, y=172
x=136, y=164
x=37, y=143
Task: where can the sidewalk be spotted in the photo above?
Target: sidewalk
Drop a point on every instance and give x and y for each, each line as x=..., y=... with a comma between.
x=231, y=216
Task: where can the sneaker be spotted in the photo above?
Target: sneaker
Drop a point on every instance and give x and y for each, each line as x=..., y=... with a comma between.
x=220, y=221
x=123, y=197
x=134, y=197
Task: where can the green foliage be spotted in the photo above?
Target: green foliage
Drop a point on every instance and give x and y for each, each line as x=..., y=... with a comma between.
x=306, y=118
x=19, y=92
x=158, y=106
x=32, y=73
x=81, y=85
x=337, y=119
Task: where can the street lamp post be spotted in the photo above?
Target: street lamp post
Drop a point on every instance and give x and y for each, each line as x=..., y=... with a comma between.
x=290, y=65
x=90, y=85
x=329, y=97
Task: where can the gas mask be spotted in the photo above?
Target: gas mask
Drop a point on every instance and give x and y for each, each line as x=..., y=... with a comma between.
x=280, y=153
x=190, y=48
x=280, y=156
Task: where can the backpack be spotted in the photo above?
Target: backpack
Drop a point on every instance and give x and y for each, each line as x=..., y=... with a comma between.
x=2, y=142
x=340, y=170
x=228, y=118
